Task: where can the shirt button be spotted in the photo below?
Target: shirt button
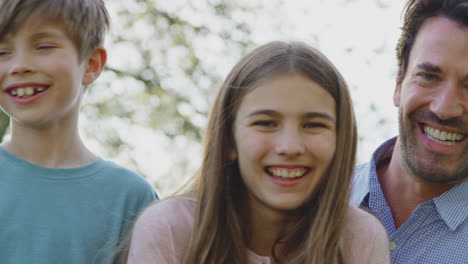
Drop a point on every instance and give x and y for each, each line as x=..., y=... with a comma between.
x=392, y=246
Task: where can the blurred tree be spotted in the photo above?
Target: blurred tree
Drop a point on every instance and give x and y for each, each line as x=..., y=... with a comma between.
x=166, y=58
x=4, y=123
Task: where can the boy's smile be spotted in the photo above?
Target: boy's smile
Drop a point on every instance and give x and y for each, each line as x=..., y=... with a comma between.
x=26, y=92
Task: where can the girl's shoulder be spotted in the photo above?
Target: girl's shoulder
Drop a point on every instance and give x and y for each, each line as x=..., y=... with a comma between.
x=162, y=232
x=172, y=211
x=366, y=240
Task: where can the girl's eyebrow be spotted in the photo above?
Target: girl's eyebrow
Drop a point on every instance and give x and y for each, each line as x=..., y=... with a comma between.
x=319, y=115
x=274, y=113
x=265, y=112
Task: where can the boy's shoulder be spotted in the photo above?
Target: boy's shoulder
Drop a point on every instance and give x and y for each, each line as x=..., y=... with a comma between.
x=118, y=175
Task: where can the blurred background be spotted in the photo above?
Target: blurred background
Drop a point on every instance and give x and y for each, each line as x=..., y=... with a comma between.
x=167, y=58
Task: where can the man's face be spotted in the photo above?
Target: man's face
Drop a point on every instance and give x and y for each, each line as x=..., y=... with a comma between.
x=433, y=103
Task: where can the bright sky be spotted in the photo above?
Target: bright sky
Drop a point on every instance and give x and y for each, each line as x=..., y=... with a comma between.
x=358, y=36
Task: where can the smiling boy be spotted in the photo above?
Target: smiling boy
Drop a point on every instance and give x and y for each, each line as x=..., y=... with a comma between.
x=59, y=202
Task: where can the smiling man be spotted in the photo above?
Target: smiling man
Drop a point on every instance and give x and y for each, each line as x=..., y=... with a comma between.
x=416, y=183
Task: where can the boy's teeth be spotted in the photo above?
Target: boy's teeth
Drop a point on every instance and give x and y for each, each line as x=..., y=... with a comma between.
x=20, y=92
x=444, y=137
x=27, y=91
x=287, y=173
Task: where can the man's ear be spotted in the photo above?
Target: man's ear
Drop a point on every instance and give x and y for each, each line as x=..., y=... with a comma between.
x=397, y=94
x=94, y=65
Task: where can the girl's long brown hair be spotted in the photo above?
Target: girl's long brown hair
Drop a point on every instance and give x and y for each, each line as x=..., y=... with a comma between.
x=219, y=234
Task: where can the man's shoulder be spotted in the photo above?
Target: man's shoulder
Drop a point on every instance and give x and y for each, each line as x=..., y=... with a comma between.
x=360, y=186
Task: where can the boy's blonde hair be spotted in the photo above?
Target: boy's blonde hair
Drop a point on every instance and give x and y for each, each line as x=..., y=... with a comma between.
x=84, y=21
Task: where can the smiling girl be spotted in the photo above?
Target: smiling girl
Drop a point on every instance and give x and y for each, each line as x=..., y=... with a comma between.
x=274, y=183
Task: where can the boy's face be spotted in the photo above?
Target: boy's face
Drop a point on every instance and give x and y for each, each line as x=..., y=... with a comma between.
x=41, y=76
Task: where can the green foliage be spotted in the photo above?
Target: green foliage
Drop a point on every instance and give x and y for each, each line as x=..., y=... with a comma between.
x=165, y=62
x=4, y=123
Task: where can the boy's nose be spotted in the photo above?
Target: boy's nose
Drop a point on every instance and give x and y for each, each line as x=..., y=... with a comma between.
x=449, y=102
x=21, y=64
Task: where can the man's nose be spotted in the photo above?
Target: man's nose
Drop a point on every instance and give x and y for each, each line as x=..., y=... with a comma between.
x=450, y=102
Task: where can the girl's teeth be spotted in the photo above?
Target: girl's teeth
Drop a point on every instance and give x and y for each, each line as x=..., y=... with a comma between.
x=286, y=173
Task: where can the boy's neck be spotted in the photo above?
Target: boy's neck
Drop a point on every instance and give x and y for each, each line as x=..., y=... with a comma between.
x=50, y=147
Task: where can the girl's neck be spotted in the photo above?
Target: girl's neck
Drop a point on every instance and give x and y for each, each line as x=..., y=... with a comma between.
x=265, y=227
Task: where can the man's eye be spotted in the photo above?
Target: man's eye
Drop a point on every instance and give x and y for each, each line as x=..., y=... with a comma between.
x=428, y=76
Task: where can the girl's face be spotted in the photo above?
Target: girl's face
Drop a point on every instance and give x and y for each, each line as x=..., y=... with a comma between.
x=285, y=137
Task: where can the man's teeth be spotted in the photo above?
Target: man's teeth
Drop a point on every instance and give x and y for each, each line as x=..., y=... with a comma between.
x=27, y=91
x=287, y=173
x=445, y=138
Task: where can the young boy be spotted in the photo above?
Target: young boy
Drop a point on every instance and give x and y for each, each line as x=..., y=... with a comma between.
x=59, y=202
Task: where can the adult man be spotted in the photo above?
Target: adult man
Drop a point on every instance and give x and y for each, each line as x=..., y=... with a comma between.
x=416, y=183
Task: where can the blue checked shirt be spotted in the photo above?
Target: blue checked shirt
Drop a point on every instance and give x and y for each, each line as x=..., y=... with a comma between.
x=436, y=232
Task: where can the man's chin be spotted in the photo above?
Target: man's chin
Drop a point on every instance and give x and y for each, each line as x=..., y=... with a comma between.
x=435, y=174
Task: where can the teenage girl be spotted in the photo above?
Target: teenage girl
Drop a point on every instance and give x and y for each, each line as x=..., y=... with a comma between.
x=275, y=179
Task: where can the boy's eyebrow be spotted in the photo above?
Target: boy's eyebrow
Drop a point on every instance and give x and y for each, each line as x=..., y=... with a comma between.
x=306, y=115
x=46, y=34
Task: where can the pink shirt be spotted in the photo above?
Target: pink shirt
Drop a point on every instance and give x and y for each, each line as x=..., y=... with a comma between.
x=162, y=233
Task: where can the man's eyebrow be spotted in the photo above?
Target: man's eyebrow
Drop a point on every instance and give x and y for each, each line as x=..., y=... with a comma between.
x=427, y=66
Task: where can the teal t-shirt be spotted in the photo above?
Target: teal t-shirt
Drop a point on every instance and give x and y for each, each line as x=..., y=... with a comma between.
x=67, y=216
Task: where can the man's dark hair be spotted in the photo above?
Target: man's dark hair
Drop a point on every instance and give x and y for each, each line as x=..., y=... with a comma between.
x=416, y=13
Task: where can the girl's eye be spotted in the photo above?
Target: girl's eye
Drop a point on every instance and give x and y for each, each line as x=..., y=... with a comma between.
x=314, y=125
x=264, y=123
x=4, y=52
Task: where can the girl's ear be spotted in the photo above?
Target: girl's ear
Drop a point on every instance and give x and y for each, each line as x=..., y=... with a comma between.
x=233, y=154
x=94, y=65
